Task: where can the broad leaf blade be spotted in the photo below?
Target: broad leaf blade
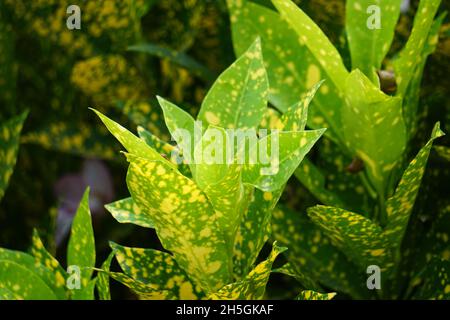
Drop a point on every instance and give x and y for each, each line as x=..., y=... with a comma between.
x=400, y=205
x=158, y=269
x=369, y=46
x=239, y=96
x=186, y=223
x=126, y=211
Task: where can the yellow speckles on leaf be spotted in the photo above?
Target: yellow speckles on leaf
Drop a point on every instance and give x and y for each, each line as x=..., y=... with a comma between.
x=377, y=252
x=212, y=118
x=267, y=196
x=312, y=76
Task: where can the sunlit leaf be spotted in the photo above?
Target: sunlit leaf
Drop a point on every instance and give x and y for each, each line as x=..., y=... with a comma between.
x=253, y=286
x=102, y=282
x=239, y=96
x=312, y=295
x=81, y=247
x=126, y=211
x=400, y=205
x=158, y=269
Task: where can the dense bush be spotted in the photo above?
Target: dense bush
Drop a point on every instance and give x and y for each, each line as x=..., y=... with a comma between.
x=354, y=109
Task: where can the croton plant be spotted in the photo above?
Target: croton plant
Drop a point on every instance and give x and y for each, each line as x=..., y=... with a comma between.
x=344, y=128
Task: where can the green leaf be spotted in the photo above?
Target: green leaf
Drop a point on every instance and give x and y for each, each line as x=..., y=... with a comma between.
x=292, y=146
x=142, y=290
x=176, y=57
x=183, y=128
x=102, y=283
x=253, y=286
x=400, y=205
x=86, y=292
x=185, y=222
x=436, y=277
x=157, y=269
x=316, y=41
x=131, y=143
x=373, y=127
x=292, y=69
x=238, y=98
x=167, y=150
x=313, y=257
x=9, y=146
x=295, y=117
x=408, y=60
x=369, y=46
x=254, y=230
x=220, y=178
x=6, y=294
x=81, y=247
x=126, y=211
x=44, y=258
x=51, y=278
x=20, y=283
x=358, y=237
x=312, y=295
x=290, y=271
x=314, y=180
x=412, y=94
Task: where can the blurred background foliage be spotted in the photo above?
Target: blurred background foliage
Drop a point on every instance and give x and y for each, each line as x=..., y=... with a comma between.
x=56, y=74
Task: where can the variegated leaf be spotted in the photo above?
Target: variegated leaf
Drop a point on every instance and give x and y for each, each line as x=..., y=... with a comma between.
x=368, y=42
x=408, y=60
x=312, y=256
x=358, y=237
x=239, y=96
x=185, y=222
x=400, y=205
x=9, y=146
x=126, y=211
x=158, y=269
x=312, y=295
x=102, y=282
x=253, y=286
x=81, y=248
x=18, y=282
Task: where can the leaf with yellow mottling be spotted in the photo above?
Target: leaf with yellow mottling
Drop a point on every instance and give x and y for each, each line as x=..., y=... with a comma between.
x=435, y=280
x=23, y=283
x=369, y=46
x=313, y=258
x=316, y=41
x=400, y=205
x=292, y=69
x=132, y=143
x=81, y=248
x=408, y=60
x=283, y=152
x=103, y=279
x=44, y=258
x=48, y=275
x=239, y=96
x=157, y=269
x=358, y=237
x=312, y=295
x=253, y=285
x=184, y=220
x=373, y=128
x=9, y=146
x=126, y=211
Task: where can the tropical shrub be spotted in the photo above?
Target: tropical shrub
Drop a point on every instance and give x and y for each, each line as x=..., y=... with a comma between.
x=366, y=217
x=371, y=116
x=213, y=216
